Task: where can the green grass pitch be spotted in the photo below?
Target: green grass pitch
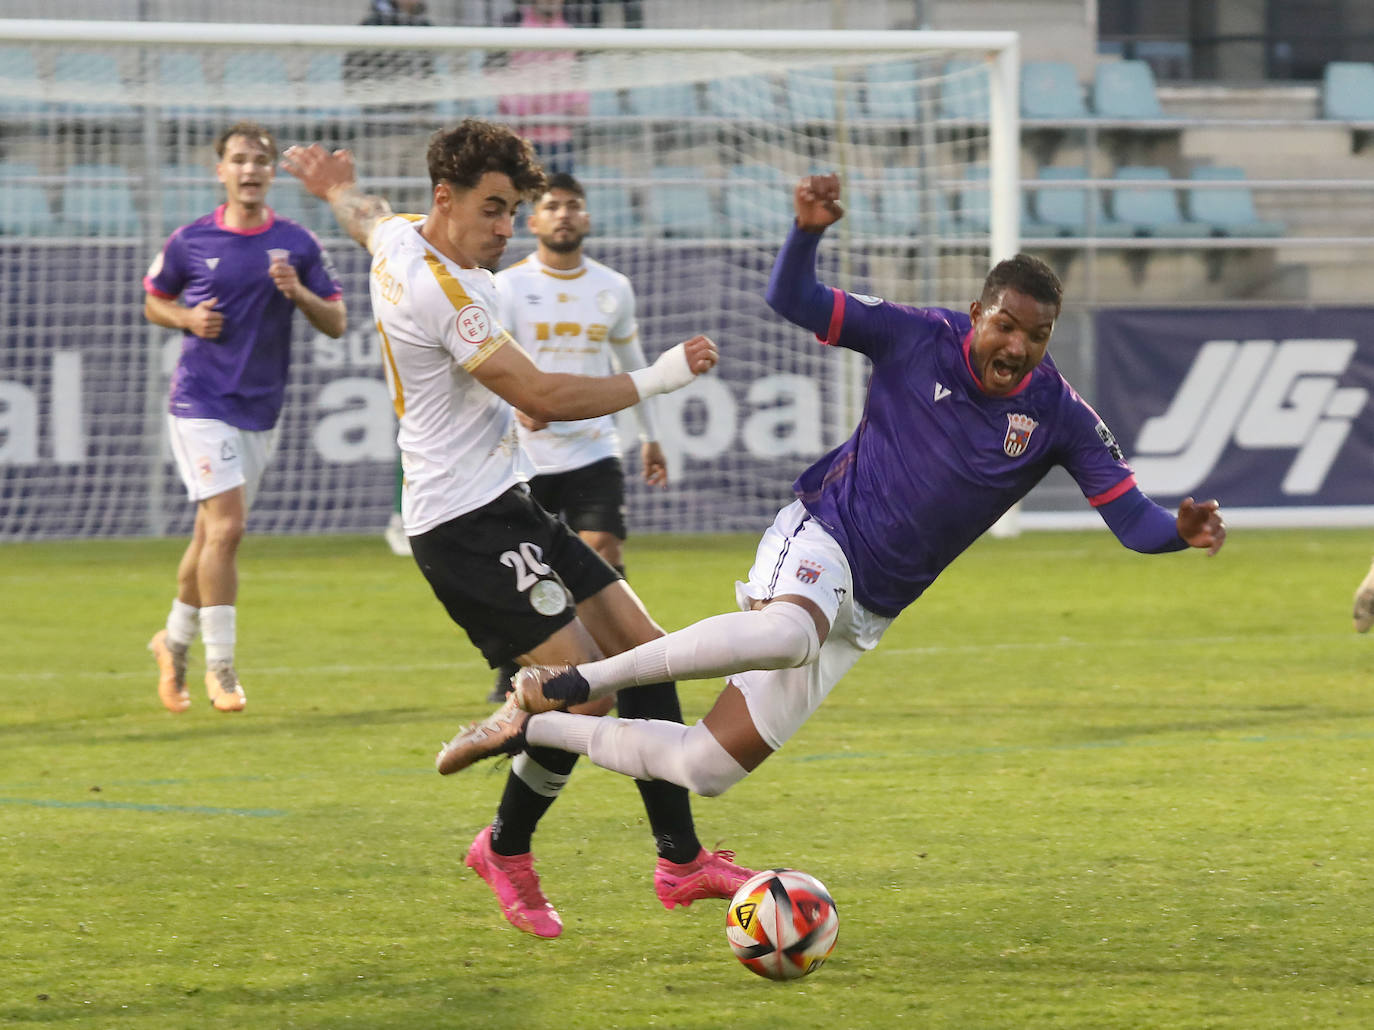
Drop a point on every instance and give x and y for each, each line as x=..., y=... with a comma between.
x=1074, y=788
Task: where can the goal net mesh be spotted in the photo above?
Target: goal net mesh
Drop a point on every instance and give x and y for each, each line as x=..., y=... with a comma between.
x=688, y=157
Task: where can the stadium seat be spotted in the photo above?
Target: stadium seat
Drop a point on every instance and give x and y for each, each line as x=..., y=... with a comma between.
x=24, y=207
x=743, y=96
x=666, y=102
x=182, y=87
x=260, y=81
x=891, y=92
x=813, y=95
x=186, y=192
x=1050, y=91
x=20, y=87
x=757, y=202
x=612, y=210
x=324, y=82
x=1227, y=212
x=98, y=200
x=1348, y=91
x=901, y=202
x=680, y=204
x=1063, y=210
x=1150, y=211
x=94, y=78
x=1125, y=90
x=964, y=91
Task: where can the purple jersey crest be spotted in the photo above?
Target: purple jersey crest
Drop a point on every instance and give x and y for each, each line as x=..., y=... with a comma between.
x=1019, y=429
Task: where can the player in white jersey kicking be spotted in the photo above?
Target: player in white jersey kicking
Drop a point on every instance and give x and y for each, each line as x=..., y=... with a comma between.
x=521, y=583
x=574, y=314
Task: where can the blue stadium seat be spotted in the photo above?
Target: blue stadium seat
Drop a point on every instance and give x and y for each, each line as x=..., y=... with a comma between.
x=258, y=76
x=682, y=205
x=1150, y=211
x=1348, y=91
x=612, y=210
x=1063, y=210
x=605, y=103
x=325, y=82
x=862, y=198
x=1050, y=90
x=744, y=96
x=664, y=102
x=95, y=78
x=183, y=88
x=901, y=202
x=20, y=87
x=814, y=95
x=891, y=92
x=185, y=193
x=964, y=91
x=1125, y=90
x=98, y=200
x=24, y=207
x=757, y=202
x=1227, y=212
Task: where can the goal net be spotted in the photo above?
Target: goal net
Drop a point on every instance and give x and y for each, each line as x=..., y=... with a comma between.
x=688, y=144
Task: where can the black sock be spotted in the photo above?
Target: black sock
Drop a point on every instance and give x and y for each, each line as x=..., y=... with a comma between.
x=521, y=808
x=668, y=806
x=620, y=569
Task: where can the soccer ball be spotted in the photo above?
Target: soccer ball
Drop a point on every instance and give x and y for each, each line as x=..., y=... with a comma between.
x=782, y=924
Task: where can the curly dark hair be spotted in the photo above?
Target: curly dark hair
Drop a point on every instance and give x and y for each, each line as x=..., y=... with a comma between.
x=250, y=130
x=1026, y=274
x=462, y=155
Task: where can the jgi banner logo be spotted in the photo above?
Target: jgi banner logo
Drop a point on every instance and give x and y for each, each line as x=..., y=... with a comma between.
x=1256, y=394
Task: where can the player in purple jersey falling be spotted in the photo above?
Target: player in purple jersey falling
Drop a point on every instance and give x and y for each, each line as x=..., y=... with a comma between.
x=964, y=415
x=231, y=280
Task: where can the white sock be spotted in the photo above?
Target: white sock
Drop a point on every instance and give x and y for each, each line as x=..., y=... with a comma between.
x=217, y=629
x=183, y=623
x=647, y=749
x=780, y=636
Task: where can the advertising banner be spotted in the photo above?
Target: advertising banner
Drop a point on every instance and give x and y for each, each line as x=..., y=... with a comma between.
x=1261, y=408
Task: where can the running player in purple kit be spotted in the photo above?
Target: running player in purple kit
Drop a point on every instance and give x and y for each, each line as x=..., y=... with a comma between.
x=232, y=280
x=964, y=415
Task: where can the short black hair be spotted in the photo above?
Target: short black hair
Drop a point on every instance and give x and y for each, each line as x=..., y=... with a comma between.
x=251, y=130
x=564, y=181
x=1025, y=274
x=463, y=154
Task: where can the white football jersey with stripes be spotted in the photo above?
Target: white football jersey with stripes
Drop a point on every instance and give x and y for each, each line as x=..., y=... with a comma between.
x=437, y=322
x=569, y=322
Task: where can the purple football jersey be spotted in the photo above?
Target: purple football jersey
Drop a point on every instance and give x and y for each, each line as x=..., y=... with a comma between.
x=240, y=377
x=935, y=461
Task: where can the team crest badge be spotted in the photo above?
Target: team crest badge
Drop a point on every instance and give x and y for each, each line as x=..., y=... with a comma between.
x=809, y=571
x=1019, y=429
x=605, y=302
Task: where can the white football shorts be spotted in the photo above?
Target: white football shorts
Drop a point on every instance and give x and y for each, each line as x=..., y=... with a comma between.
x=797, y=556
x=214, y=457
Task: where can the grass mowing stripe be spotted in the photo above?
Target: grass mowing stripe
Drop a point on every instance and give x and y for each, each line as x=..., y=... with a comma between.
x=134, y=806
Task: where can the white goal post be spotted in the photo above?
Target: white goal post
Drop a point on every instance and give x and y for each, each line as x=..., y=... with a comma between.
x=687, y=142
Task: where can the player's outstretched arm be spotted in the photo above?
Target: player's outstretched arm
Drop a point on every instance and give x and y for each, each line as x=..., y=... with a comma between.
x=1201, y=525
x=556, y=397
x=816, y=201
x=333, y=178
x=793, y=291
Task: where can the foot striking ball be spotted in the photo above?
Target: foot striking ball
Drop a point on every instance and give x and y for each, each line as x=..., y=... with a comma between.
x=782, y=924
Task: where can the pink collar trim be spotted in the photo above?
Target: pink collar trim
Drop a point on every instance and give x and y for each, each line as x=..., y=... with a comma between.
x=254, y=231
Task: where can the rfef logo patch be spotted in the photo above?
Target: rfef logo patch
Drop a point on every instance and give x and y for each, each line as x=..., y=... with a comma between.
x=473, y=324
x=809, y=571
x=1019, y=429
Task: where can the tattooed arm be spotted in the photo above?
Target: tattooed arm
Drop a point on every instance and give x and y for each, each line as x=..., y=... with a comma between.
x=332, y=178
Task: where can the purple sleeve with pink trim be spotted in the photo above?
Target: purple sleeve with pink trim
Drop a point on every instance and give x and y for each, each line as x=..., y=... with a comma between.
x=793, y=290
x=1142, y=525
